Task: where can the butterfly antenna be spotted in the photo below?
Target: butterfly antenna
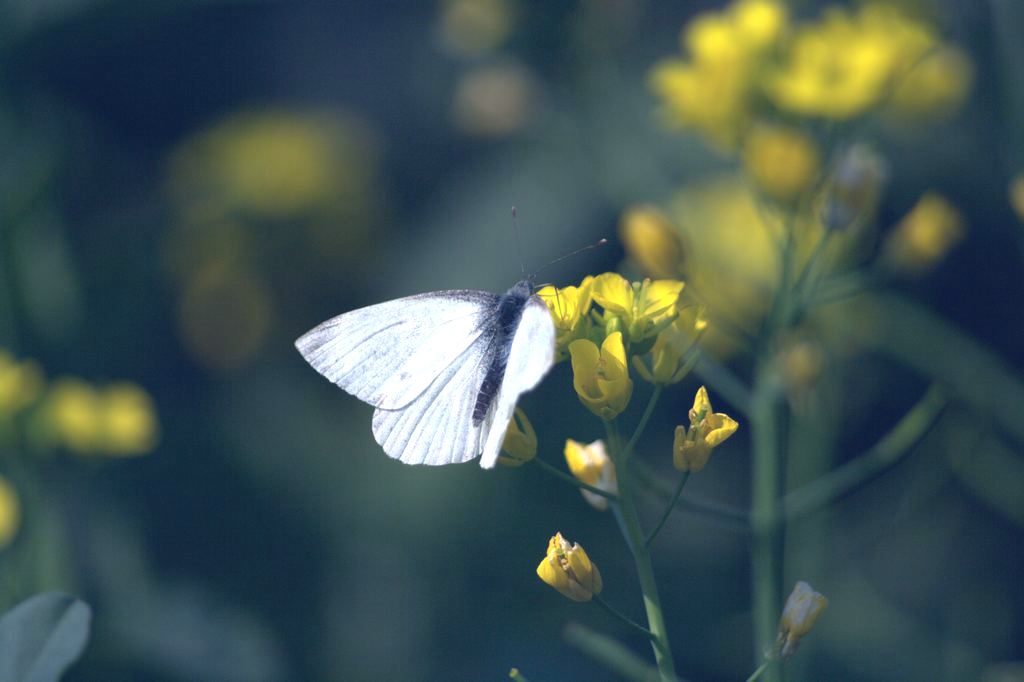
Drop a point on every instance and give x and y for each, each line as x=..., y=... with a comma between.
x=519, y=243
x=599, y=242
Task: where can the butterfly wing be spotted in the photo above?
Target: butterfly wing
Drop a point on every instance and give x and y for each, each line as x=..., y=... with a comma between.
x=530, y=357
x=389, y=354
x=437, y=427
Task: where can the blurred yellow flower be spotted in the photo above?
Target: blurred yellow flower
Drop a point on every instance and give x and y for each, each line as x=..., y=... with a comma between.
x=129, y=420
x=936, y=86
x=668, y=357
x=568, y=569
x=75, y=414
x=119, y=420
x=803, y=607
x=708, y=430
x=494, y=100
x=641, y=309
x=601, y=377
x=924, y=236
x=10, y=513
x=273, y=164
x=570, y=308
x=651, y=241
x=21, y=383
x=1017, y=196
x=520, y=444
x=472, y=27
x=711, y=92
x=782, y=161
x=592, y=465
x=846, y=64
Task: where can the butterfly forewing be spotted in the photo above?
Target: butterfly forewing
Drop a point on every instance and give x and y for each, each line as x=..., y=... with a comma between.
x=530, y=357
x=388, y=354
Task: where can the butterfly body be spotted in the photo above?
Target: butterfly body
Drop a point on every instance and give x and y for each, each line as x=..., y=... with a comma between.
x=443, y=370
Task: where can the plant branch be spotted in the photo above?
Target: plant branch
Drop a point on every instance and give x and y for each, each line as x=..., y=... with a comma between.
x=571, y=480
x=668, y=509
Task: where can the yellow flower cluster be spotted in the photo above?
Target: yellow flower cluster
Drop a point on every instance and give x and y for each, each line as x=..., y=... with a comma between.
x=747, y=67
x=712, y=91
x=607, y=319
x=116, y=420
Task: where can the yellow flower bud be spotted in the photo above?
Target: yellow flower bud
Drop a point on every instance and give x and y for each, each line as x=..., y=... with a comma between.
x=781, y=160
x=119, y=420
x=644, y=308
x=924, y=236
x=601, y=377
x=651, y=241
x=568, y=569
x=10, y=513
x=692, y=447
x=570, y=308
x=668, y=356
x=520, y=445
x=20, y=384
x=802, y=609
x=592, y=465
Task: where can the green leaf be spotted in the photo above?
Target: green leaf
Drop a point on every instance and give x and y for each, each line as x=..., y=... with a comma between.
x=42, y=636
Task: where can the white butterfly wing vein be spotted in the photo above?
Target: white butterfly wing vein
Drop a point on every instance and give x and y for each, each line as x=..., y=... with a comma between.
x=388, y=354
x=531, y=356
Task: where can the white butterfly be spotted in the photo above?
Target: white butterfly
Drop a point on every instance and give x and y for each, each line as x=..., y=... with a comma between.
x=443, y=369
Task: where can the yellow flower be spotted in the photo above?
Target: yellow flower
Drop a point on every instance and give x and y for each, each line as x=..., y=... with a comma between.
x=802, y=609
x=568, y=569
x=10, y=513
x=129, y=420
x=569, y=309
x=1017, y=196
x=708, y=430
x=651, y=240
x=669, y=361
x=936, y=86
x=119, y=420
x=712, y=91
x=75, y=415
x=592, y=465
x=844, y=65
x=641, y=310
x=924, y=236
x=601, y=377
x=20, y=384
x=520, y=445
x=782, y=161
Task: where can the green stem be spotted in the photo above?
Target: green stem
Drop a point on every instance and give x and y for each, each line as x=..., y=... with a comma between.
x=766, y=516
x=641, y=557
x=887, y=452
x=668, y=510
x=610, y=653
x=757, y=673
x=571, y=480
x=619, y=616
x=736, y=518
x=648, y=411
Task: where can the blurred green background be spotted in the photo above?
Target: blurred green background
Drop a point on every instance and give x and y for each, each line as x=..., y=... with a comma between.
x=186, y=187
